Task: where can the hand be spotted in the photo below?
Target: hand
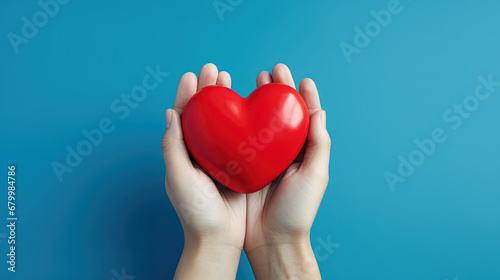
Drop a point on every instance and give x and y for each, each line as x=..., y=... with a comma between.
x=212, y=216
x=280, y=216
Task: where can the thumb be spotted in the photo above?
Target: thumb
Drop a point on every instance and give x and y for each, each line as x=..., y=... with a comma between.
x=317, y=154
x=175, y=153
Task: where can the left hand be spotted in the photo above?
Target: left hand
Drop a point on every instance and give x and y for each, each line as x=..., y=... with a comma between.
x=213, y=217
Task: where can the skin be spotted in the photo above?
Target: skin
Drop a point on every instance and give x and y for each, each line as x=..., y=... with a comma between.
x=271, y=225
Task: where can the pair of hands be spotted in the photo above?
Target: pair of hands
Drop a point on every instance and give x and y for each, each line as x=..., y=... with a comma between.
x=271, y=225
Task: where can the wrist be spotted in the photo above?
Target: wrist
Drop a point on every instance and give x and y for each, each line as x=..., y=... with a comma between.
x=203, y=259
x=214, y=250
x=288, y=258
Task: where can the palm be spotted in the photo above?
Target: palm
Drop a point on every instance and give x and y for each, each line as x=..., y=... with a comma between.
x=222, y=211
x=279, y=208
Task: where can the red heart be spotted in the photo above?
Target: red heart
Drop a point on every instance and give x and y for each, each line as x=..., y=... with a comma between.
x=245, y=143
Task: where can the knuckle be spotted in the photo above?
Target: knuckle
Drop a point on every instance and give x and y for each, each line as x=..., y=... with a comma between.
x=328, y=142
x=168, y=144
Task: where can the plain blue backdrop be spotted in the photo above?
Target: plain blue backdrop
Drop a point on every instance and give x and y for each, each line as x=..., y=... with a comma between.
x=110, y=217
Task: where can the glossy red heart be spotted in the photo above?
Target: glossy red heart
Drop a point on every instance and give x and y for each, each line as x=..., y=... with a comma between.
x=245, y=143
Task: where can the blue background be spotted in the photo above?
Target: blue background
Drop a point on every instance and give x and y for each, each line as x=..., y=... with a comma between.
x=112, y=211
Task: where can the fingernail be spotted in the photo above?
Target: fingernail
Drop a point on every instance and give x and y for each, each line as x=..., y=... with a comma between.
x=323, y=118
x=168, y=117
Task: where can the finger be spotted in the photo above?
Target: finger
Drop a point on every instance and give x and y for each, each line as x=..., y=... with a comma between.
x=208, y=76
x=309, y=92
x=175, y=153
x=263, y=78
x=281, y=74
x=185, y=90
x=224, y=79
x=317, y=154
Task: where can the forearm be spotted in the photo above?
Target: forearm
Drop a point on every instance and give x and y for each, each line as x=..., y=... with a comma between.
x=207, y=261
x=285, y=261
